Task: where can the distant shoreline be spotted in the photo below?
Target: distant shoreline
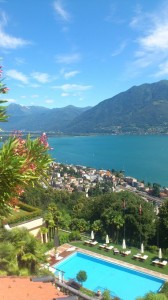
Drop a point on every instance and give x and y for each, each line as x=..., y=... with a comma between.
x=52, y=134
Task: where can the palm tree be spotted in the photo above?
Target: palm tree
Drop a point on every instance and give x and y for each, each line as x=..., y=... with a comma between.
x=30, y=261
x=44, y=232
x=7, y=256
x=20, y=249
x=118, y=221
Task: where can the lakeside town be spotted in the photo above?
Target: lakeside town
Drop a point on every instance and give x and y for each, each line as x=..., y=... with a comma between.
x=90, y=180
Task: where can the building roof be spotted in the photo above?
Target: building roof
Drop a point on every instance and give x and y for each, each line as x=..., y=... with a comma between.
x=21, y=288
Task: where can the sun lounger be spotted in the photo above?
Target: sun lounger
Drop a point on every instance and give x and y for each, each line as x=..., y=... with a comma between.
x=116, y=251
x=144, y=257
x=102, y=246
x=137, y=256
x=155, y=262
x=93, y=243
x=125, y=253
x=162, y=263
x=108, y=248
x=87, y=242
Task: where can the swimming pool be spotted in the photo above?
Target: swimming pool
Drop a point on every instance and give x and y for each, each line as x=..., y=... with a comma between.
x=125, y=283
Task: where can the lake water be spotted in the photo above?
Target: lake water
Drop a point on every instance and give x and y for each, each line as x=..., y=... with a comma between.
x=143, y=157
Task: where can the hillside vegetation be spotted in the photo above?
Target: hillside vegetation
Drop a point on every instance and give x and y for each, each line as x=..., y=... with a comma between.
x=139, y=110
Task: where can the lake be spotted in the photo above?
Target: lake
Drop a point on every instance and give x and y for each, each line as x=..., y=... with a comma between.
x=142, y=157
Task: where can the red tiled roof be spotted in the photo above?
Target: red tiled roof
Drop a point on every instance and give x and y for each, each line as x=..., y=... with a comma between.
x=21, y=288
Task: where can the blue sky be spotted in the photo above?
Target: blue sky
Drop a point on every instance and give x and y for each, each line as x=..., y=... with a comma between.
x=80, y=52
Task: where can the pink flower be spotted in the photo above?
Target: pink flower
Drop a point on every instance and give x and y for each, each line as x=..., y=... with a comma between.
x=5, y=90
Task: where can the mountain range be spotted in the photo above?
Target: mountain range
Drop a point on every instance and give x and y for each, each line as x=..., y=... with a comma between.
x=139, y=110
x=37, y=118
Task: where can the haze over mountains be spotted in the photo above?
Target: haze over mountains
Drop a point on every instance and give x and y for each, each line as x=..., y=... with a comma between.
x=37, y=118
x=140, y=109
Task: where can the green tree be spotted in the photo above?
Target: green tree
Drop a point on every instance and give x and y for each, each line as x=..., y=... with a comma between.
x=108, y=208
x=106, y=295
x=156, y=190
x=19, y=250
x=80, y=225
x=163, y=224
x=97, y=226
x=95, y=191
x=81, y=276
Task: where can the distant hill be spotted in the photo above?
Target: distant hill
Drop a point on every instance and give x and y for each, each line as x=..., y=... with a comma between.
x=141, y=109
x=36, y=118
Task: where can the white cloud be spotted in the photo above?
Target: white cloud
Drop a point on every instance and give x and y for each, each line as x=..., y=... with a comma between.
x=60, y=11
x=64, y=95
x=68, y=58
x=3, y=19
x=34, y=96
x=70, y=74
x=163, y=69
x=40, y=77
x=7, y=41
x=119, y=50
x=17, y=76
x=35, y=85
x=137, y=20
x=10, y=100
x=73, y=87
x=49, y=101
x=156, y=39
x=19, y=60
x=153, y=47
x=10, y=42
x=152, y=44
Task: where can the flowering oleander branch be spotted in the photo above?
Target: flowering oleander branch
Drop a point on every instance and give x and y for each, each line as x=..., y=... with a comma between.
x=3, y=90
x=22, y=161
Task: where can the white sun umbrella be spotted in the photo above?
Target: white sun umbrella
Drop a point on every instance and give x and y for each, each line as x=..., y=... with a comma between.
x=160, y=253
x=107, y=239
x=142, y=248
x=92, y=235
x=124, y=244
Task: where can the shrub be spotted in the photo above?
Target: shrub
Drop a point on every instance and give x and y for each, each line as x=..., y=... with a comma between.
x=164, y=289
x=28, y=213
x=26, y=207
x=24, y=272
x=23, y=217
x=153, y=249
x=75, y=235
x=106, y=295
x=63, y=238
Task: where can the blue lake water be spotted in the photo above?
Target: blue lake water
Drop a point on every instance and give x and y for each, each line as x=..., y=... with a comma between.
x=125, y=283
x=143, y=157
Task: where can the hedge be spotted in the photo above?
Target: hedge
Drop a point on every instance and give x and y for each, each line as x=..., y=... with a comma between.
x=29, y=213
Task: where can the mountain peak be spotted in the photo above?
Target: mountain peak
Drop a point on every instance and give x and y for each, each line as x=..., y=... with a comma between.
x=141, y=109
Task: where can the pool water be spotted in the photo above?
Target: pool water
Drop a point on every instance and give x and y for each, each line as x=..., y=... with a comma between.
x=125, y=283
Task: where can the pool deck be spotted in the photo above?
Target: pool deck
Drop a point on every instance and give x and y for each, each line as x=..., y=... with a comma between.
x=67, y=249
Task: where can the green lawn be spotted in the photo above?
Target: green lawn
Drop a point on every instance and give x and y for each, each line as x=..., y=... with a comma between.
x=129, y=259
